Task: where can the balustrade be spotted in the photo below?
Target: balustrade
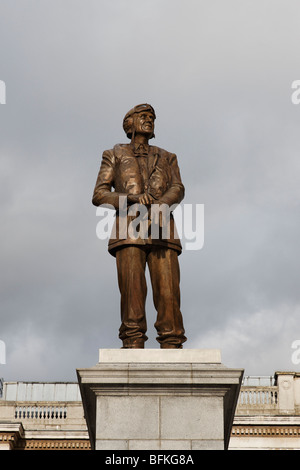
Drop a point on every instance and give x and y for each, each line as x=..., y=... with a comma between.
x=40, y=412
x=258, y=396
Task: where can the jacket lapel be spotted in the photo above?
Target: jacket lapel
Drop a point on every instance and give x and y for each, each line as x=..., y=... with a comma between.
x=153, y=158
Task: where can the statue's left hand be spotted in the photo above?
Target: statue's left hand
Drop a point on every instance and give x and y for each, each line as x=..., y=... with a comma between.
x=146, y=199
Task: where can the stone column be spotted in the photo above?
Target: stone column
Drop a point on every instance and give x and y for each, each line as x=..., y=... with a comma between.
x=144, y=399
x=288, y=392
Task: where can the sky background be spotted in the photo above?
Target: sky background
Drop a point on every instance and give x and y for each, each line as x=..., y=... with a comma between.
x=219, y=76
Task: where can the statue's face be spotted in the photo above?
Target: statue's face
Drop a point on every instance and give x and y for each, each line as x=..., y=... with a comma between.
x=144, y=123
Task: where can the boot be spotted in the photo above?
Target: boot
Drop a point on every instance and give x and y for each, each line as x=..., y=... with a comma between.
x=133, y=344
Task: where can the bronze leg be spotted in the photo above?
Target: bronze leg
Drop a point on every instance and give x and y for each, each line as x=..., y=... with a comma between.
x=165, y=277
x=131, y=263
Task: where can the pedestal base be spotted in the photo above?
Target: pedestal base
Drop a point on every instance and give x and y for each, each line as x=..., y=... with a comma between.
x=150, y=399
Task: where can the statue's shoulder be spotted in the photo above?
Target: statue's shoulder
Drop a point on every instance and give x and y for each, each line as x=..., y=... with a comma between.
x=116, y=151
x=120, y=149
x=161, y=152
x=115, y=147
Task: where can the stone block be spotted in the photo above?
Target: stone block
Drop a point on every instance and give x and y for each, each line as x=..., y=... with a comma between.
x=207, y=444
x=125, y=417
x=159, y=399
x=192, y=417
x=111, y=444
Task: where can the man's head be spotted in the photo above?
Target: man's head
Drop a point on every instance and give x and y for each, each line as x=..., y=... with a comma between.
x=139, y=119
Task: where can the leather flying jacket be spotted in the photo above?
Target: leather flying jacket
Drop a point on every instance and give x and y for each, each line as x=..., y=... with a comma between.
x=124, y=173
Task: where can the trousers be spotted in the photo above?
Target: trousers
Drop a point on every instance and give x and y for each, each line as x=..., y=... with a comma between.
x=165, y=278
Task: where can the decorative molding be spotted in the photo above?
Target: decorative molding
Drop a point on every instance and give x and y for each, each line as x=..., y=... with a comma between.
x=265, y=431
x=11, y=434
x=54, y=444
x=8, y=438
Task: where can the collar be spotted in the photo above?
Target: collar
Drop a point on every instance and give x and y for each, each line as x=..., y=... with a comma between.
x=140, y=149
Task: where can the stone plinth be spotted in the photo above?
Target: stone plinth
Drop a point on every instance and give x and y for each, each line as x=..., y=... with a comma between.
x=144, y=399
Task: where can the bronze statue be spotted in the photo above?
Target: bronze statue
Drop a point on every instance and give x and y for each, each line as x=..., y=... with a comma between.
x=142, y=174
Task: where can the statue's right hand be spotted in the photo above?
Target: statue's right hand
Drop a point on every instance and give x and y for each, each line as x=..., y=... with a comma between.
x=145, y=199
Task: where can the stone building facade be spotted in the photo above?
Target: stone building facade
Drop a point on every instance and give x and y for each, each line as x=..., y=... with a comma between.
x=45, y=416
x=268, y=413
x=49, y=416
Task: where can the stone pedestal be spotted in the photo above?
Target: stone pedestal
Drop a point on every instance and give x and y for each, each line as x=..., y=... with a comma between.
x=152, y=399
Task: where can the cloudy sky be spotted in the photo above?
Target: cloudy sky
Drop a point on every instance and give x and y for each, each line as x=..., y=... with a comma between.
x=219, y=76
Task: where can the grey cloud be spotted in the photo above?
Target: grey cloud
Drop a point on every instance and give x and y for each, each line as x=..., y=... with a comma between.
x=219, y=77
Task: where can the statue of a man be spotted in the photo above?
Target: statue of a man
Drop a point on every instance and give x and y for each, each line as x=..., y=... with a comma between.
x=145, y=175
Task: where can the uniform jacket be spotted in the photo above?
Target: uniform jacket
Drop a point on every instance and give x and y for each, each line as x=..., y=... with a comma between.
x=122, y=172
